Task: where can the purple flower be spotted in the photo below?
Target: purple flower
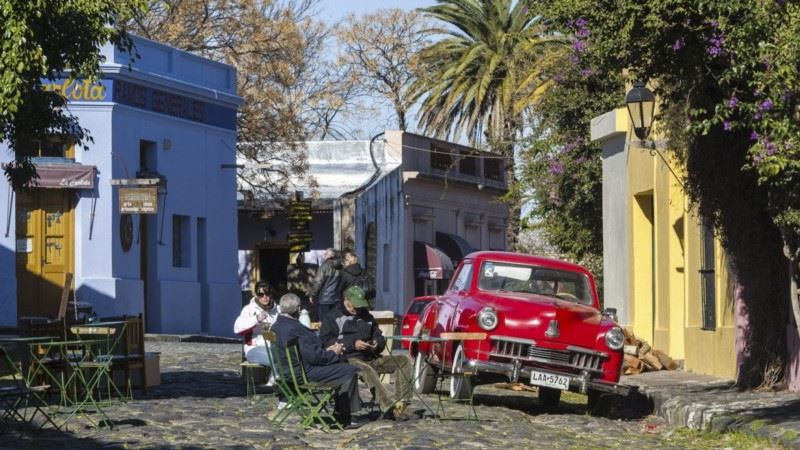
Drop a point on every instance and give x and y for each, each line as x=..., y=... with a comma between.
x=714, y=47
x=726, y=125
x=574, y=59
x=754, y=136
x=757, y=115
x=678, y=44
x=770, y=146
x=579, y=46
x=586, y=72
x=580, y=23
x=733, y=102
x=766, y=105
x=556, y=168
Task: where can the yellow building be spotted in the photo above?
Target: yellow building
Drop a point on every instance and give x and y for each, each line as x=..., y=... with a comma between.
x=664, y=270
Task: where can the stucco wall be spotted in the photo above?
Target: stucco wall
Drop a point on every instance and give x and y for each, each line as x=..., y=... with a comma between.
x=189, y=154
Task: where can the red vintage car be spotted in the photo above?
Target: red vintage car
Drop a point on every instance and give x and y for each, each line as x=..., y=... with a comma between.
x=411, y=317
x=542, y=323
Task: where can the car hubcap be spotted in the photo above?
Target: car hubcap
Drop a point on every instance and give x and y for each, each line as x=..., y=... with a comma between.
x=457, y=378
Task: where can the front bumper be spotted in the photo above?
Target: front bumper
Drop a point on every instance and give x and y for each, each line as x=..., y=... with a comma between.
x=514, y=370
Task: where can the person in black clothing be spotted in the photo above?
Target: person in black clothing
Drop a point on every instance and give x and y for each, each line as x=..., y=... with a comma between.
x=351, y=272
x=321, y=364
x=327, y=289
x=351, y=325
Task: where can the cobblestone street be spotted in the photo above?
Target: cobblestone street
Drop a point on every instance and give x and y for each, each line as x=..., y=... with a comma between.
x=201, y=403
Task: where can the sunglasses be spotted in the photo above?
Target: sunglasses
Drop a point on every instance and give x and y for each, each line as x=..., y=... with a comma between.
x=262, y=294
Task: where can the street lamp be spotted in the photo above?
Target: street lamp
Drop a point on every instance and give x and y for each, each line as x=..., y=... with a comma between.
x=641, y=106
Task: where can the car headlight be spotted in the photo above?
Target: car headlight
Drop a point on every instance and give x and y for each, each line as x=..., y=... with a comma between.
x=615, y=338
x=487, y=319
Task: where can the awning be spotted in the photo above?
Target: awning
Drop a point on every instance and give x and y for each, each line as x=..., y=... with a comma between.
x=456, y=247
x=65, y=176
x=431, y=262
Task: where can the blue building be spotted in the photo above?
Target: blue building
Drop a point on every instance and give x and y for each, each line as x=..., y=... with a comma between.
x=164, y=138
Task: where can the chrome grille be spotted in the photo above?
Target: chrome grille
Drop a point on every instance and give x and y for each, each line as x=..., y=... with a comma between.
x=526, y=350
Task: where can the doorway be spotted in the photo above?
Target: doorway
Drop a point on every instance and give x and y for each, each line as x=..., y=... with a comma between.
x=272, y=264
x=44, y=249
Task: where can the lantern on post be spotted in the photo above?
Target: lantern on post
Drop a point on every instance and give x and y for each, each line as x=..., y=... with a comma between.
x=641, y=107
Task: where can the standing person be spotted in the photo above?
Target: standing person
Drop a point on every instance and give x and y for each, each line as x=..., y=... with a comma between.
x=354, y=275
x=257, y=315
x=322, y=365
x=351, y=325
x=327, y=289
x=351, y=272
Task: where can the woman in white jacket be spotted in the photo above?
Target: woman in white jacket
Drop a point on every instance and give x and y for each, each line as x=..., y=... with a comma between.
x=256, y=316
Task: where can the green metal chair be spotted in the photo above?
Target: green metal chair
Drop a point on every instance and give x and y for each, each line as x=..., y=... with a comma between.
x=17, y=396
x=283, y=382
x=308, y=399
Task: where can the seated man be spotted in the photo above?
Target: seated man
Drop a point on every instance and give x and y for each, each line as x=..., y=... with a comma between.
x=257, y=315
x=351, y=325
x=321, y=365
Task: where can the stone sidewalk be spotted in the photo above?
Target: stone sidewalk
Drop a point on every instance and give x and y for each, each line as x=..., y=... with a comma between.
x=702, y=402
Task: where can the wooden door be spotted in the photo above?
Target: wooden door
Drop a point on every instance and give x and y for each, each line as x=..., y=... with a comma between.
x=45, y=243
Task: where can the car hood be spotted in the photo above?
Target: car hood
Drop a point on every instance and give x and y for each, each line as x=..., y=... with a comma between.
x=528, y=316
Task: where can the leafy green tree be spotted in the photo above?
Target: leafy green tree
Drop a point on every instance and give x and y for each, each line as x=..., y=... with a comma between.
x=562, y=169
x=726, y=74
x=483, y=75
x=42, y=40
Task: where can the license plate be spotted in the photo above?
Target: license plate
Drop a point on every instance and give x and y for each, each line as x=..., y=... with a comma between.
x=550, y=380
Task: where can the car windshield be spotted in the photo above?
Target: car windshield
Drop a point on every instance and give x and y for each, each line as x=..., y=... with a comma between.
x=562, y=284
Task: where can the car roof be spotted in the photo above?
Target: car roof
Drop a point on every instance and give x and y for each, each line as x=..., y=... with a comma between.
x=524, y=258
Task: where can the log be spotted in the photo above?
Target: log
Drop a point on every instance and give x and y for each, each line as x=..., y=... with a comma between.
x=644, y=348
x=632, y=365
x=629, y=337
x=632, y=349
x=650, y=360
x=666, y=361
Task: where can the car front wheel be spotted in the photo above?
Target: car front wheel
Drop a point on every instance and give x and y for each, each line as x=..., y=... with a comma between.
x=460, y=384
x=424, y=375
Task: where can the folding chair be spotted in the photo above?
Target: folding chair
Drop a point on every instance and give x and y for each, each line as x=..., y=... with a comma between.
x=282, y=381
x=96, y=359
x=312, y=398
x=16, y=395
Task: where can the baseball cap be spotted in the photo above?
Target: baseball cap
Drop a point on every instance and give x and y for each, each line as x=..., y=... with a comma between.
x=356, y=297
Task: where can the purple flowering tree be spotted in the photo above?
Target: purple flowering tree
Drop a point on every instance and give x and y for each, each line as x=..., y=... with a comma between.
x=726, y=75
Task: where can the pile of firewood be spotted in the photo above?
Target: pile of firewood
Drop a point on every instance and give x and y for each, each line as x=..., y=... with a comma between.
x=640, y=357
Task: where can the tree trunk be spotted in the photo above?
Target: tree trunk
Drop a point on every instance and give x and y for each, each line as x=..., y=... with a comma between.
x=792, y=257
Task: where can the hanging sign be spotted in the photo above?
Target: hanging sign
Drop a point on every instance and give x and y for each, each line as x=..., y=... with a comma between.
x=138, y=200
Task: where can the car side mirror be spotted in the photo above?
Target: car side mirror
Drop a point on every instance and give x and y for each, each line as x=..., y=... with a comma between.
x=611, y=313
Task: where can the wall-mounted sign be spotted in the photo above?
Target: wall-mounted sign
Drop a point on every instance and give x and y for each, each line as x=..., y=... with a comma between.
x=144, y=97
x=138, y=200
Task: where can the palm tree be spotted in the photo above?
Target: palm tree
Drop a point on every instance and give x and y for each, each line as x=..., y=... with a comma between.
x=478, y=80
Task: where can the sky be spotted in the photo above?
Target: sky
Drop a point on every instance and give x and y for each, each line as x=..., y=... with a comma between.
x=333, y=11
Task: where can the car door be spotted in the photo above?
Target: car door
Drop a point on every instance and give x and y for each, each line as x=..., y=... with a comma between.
x=448, y=303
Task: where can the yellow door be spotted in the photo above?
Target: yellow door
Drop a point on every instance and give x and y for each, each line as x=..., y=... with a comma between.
x=45, y=244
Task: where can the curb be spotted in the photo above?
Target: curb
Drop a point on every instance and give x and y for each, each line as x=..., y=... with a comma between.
x=774, y=416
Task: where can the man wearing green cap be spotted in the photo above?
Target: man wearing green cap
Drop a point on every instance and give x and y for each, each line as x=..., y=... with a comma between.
x=351, y=324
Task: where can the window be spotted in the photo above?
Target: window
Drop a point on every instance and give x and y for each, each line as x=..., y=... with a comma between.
x=708, y=293
x=181, y=245
x=461, y=282
x=52, y=146
x=565, y=285
x=440, y=158
x=468, y=165
x=493, y=168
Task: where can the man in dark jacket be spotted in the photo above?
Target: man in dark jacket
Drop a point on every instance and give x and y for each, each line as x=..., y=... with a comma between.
x=327, y=289
x=320, y=364
x=352, y=270
x=351, y=325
